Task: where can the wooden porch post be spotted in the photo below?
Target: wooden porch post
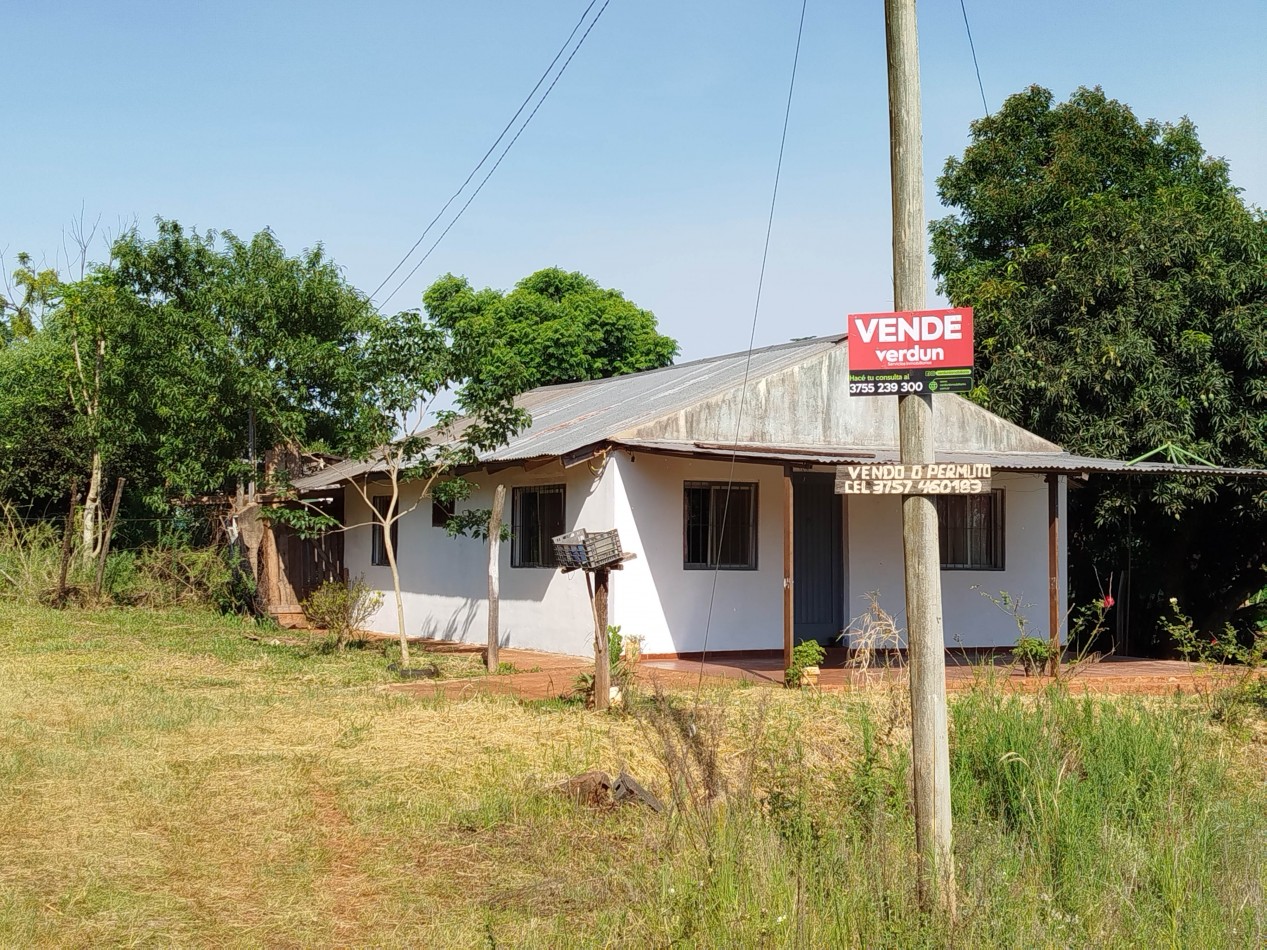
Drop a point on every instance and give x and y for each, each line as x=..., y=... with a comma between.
x=602, y=661
x=492, y=658
x=789, y=605
x=1053, y=569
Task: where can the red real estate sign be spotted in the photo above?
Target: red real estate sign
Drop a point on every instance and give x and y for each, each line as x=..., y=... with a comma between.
x=915, y=351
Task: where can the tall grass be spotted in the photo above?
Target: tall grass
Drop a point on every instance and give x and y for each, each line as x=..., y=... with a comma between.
x=30, y=556
x=1079, y=822
x=163, y=574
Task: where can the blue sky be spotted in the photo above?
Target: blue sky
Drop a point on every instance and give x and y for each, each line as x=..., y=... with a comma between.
x=649, y=167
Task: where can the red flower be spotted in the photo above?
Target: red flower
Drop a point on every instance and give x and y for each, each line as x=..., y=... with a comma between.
x=1108, y=601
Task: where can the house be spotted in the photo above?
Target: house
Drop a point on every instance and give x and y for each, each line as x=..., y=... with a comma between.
x=702, y=467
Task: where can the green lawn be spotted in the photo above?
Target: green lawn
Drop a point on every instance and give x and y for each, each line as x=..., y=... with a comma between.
x=164, y=780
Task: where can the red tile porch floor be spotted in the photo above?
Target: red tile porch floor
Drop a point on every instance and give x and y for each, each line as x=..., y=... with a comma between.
x=553, y=674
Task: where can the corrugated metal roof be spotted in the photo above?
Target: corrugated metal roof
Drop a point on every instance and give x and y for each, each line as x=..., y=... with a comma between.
x=1001, y=461
x=332, y=475
x=573, y=415
x=570, y=416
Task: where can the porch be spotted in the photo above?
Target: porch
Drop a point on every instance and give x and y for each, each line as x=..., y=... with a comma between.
x=551, y=675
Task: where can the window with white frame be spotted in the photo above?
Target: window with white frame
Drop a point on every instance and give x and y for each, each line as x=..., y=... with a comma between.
x=970, y=529
x=536, y=518
x=719, y=526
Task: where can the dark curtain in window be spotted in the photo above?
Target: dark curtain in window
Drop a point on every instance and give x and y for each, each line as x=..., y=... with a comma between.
x=720, y=533
x=971, y=531
x=537, y=518
x=378, y=550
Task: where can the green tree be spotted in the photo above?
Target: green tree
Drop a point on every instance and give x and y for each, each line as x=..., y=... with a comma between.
x=158, y=363
x=1120, y=290
x=405, y=362
x=27, y=298
x=554, y=327
x=41, y=437
x=257, y=350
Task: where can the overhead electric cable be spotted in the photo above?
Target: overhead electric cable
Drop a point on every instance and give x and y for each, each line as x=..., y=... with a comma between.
x=752, y=336
x=518, y=112
x=972, y=46
x=508, y=147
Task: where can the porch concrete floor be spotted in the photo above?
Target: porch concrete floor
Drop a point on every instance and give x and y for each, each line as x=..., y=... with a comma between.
x=549, y=675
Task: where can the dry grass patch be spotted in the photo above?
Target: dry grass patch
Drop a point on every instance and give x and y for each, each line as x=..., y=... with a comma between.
x=164, y=780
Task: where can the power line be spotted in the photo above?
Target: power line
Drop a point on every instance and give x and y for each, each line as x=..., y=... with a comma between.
x=973, y=47
x=518, y=112
x=752, y=336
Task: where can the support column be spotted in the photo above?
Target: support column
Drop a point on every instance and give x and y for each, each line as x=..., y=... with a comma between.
x=602, y=660
x=1053, y=570
x=789, y=566
x=494, y=594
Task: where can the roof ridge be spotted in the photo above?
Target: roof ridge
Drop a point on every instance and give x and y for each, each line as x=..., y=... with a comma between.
x=804, y=342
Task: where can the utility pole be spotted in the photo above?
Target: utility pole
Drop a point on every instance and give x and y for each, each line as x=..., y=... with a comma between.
x=930, y=753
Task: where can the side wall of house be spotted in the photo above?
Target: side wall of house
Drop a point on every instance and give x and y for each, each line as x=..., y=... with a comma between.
x=875, y=557
x=445, y=580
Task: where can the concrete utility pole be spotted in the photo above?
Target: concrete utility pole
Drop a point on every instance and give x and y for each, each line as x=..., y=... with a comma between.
x=925, y=644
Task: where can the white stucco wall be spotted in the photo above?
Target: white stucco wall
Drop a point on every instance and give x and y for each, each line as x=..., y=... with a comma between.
x=445, y=580
x=875, y=558
x=656, y=598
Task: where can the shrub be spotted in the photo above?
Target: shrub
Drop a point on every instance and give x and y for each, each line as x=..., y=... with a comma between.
x=171, y=574
x=342, y=608
x=1238, y=657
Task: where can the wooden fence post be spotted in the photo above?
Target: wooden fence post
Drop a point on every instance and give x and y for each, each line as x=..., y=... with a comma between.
x=105, y=539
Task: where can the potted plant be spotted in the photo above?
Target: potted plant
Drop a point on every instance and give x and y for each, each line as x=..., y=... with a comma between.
x=1032, y=653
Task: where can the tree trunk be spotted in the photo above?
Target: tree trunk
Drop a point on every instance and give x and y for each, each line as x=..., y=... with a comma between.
x=400, y=607
x=389, y=519
x=92, y=512
x=105, y=539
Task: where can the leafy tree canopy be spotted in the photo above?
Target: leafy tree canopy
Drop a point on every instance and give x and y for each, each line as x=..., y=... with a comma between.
x=41, y=438
x=553, y=327
x=248, y=336
x=1120, y=289
x=27, y=297
x=157, y=363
